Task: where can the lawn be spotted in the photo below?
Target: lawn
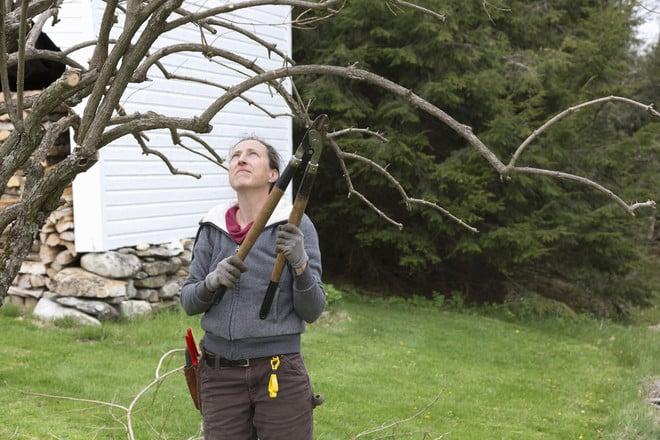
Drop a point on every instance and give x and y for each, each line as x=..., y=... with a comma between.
x=375, y=361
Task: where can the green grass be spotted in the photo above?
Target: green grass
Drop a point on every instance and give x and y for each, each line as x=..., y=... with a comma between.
x=375, y=361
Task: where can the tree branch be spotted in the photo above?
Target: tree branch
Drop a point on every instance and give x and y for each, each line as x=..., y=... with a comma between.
x=404, y=196
x=630, y=209
x=351, y=189
x=20, y=71
x=251, y=102
x=361, y=75
x=4, y=75
x=325, y=5
x=9, y=214
x=34, y=54
x=176, y=138
x=40, y=22
x=346, y=131
x=211, y=51
x=441, y=17
x=398, y=422
x=34, y=170
x=108, y=70
x=109, y=19
x=128, y=410
x=569, y=111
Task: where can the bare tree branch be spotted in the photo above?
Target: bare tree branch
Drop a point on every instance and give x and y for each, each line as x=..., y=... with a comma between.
x=270, y=47
x=108, y=20
x=20, y=71
x=128, y=410
x=325, y=5
x=12, y=19
x=404, y=196
x=216, y=159
x=398, y=422
x=441, y=17
x=34, y=171
x=108, y=69
x=346, y=131
x=353, y=191
x=33, y=54
x=4, y=75
x=251, y=102
x=211, y=51
x=39, y=24
x=569, y=111
x=630, y=209
x=9, y=214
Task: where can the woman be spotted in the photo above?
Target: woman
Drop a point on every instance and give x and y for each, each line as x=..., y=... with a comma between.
x=240, y=351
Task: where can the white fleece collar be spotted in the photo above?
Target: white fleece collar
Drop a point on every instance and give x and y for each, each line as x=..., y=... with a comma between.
x=216, y=215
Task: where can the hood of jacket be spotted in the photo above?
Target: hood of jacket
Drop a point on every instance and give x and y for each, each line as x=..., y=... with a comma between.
x=216, y=215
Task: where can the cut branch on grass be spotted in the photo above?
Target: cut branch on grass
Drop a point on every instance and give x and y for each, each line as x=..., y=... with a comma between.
x=398, y=422
x=130, y=409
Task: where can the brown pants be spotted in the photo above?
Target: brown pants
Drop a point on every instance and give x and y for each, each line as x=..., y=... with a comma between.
x=236, y=405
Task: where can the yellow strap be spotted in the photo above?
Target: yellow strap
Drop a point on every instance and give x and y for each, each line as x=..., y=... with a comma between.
x=273, y=386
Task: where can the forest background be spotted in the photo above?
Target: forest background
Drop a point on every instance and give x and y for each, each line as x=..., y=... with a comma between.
x=503, y=69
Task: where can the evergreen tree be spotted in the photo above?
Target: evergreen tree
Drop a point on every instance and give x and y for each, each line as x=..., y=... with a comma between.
x=503, y=72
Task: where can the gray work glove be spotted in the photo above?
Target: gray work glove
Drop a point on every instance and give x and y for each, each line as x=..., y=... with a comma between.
x=225, y=274
x=291, y=243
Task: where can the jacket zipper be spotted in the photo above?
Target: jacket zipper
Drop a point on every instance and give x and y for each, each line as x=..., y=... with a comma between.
x=233, y=297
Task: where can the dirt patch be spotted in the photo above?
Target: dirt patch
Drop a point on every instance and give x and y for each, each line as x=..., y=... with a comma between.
x=330, y=318
x=652, y=392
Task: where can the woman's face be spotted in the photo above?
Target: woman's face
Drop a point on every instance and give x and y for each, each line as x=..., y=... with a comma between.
x=249, y=167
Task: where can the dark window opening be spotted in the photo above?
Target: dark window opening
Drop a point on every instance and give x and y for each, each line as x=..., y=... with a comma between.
x=39, y=74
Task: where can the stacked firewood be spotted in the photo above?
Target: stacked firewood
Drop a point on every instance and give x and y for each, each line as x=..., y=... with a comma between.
x=53, y=251
x=55, y=247
x=13, y=190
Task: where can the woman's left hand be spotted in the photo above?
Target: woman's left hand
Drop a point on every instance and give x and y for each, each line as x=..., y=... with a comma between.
x=291, y=243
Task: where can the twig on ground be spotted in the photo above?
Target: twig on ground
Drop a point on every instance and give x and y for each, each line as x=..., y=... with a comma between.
x=398, y=422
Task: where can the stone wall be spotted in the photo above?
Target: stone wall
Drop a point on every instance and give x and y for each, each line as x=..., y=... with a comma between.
x=124, y=282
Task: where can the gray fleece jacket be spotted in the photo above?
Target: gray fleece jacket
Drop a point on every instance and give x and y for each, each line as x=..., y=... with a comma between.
x=233, y=328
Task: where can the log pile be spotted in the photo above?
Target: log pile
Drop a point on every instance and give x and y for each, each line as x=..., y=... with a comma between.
x=54, y=250
x=55, y=247
x=56, y=238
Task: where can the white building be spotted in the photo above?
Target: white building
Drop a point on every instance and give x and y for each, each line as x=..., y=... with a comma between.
x=128, y=198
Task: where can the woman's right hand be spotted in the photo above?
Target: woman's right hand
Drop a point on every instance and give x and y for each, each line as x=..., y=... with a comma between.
x=225, y=274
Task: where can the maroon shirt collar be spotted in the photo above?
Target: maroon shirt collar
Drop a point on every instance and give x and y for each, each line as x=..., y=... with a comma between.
x=233, y=227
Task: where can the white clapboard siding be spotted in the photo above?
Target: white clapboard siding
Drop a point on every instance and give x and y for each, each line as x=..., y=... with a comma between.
x=129, y=198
